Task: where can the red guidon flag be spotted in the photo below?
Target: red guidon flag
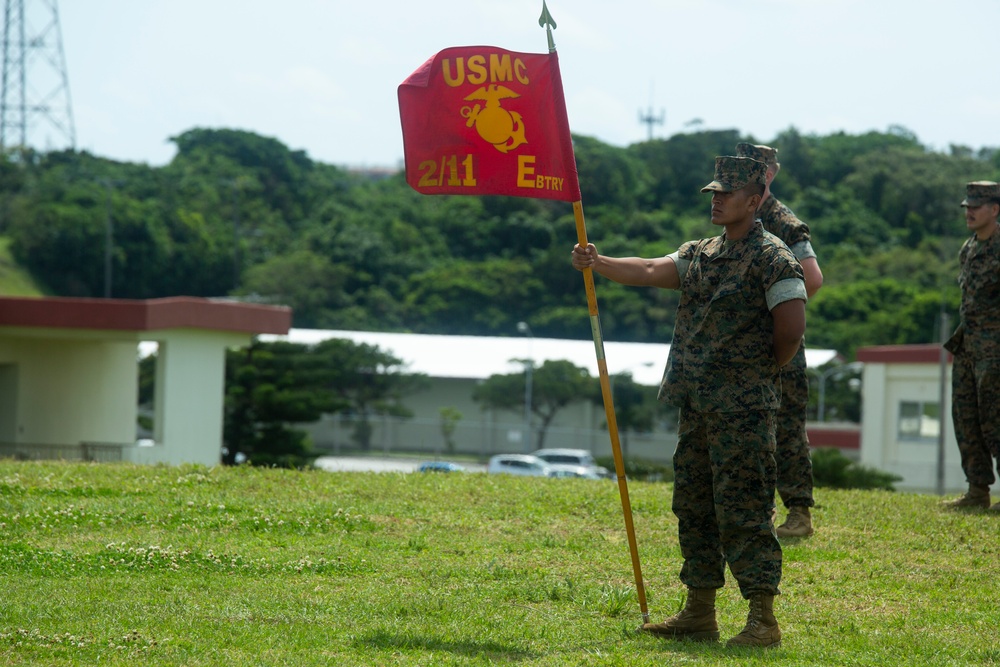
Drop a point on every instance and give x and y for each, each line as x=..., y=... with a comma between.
x=479, y=120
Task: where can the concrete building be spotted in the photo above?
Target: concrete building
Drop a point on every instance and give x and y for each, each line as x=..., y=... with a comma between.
x=69, y=379
x=455, y=364
x=904, y=429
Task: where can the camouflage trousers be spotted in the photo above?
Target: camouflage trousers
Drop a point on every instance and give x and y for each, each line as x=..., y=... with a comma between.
x=724, y=474
x=795, y=472
x=975, y=395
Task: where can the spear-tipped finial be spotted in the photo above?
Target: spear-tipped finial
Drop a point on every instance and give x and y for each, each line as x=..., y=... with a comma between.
x=547, y=22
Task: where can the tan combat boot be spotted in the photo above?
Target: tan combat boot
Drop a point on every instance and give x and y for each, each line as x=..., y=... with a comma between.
x=695, y=621
x=976, y=496
x=762, y=628
x=798, y=523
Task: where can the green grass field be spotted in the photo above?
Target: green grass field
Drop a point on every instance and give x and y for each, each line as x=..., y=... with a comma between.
x=14, y=280
x=128, y=565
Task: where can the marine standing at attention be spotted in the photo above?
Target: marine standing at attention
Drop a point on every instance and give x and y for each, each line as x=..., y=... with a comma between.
x=741, y=318
x=795, y=476
x=975, y=375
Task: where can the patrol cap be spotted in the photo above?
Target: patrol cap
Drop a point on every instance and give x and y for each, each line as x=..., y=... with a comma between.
x=732, y=173
x=765, y=154
x=978, y=193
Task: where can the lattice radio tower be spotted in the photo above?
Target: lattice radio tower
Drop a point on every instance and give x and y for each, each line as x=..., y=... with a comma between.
x=35, y=94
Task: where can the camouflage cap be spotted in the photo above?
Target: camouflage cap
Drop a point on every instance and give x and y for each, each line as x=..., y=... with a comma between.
x=978, y=193
x=732, y=173
x=765, y=154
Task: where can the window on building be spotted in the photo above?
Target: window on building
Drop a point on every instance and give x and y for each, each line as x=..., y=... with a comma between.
x=919, y=421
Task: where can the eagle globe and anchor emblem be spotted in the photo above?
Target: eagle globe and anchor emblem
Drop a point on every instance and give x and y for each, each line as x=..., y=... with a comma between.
x=496, y=125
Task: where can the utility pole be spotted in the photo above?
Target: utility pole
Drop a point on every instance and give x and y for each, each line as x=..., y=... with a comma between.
x=110, y=184
x=236, y=232
x=34, y=87
x=529, y=365
x=649, y=118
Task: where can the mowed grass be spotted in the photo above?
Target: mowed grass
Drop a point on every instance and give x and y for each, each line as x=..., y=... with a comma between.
x=14, y=280
x=129, y=565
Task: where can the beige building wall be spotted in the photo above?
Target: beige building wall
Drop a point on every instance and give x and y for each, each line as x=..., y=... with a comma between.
x=69, y=375
x=43, y=400
x=189, y=396
x=901, y=418
x=483, y=433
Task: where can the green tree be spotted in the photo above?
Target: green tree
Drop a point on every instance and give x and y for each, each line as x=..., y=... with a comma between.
x=235, y=213
x=635, y=406
x=681, y=165
x=915, y=191
x=611, y=178
x=270, y=387
x=307, y=282
x=363, y=381
x=473, y=298
x=449, y=422
x=555, y=384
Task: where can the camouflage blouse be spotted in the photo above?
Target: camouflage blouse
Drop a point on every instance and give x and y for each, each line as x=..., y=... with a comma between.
x=979, y=278
x=722, y=355
x=780, y=221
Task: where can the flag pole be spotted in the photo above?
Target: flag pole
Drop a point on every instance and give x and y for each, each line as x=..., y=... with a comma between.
x=546, y=21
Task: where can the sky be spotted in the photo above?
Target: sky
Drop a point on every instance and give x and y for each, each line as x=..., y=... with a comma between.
x=321, y=76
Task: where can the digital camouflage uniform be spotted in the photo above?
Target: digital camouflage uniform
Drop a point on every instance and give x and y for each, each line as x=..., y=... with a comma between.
x=722, y=374
x=795, y=477
x=975, y=380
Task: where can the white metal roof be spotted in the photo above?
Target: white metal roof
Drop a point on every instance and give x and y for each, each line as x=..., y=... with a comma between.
x=479, y=357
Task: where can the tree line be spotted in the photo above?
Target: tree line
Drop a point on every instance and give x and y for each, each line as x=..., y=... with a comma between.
x=238, y=214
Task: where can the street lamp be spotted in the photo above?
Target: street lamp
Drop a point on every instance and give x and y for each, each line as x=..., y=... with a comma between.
x=835, y=371
x=529, y=363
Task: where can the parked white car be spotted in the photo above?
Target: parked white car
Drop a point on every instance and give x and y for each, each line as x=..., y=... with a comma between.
x=566, y=470
x=518, y=464
x=571, y=457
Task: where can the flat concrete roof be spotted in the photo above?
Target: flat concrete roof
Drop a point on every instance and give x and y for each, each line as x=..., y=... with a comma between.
x=181, y=312
x=924, y=353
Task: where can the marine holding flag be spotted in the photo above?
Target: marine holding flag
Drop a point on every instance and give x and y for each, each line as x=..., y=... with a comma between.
x=480, y=120
x=741, y=317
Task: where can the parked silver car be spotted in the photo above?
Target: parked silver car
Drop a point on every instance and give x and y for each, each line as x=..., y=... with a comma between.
x=571, y=457
x=566, y=470
x=518, y=464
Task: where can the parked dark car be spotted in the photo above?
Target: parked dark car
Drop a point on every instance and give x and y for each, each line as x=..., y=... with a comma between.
x=439, y=466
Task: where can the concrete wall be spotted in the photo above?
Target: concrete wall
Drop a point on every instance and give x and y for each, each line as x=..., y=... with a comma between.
x=484, y=433
x=886, y=387
x=62, y=391
x=189, y=397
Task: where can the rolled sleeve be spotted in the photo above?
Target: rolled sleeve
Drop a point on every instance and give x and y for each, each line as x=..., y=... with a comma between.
x=802, y=250
x=785, y=290
x=681, y=264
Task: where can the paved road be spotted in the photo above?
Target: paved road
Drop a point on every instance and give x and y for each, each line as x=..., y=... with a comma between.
x=378, y=464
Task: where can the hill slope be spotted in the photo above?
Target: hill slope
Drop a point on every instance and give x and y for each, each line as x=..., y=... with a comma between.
x=14, y=280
